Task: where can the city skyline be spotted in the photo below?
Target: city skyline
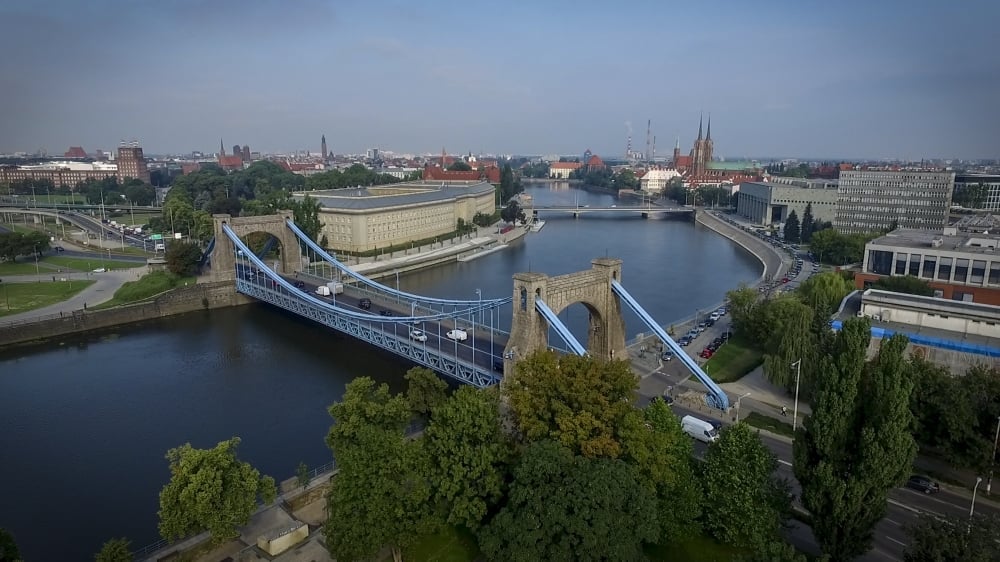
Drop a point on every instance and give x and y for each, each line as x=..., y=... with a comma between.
x=841, y=81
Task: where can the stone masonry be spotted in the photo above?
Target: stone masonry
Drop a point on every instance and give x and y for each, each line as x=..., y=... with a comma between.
x=592, y=288
x=224, y=255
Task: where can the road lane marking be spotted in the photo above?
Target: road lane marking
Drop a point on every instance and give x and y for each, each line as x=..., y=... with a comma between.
x=893, y=521
x=903, y=544
x=886, y=554
x=913, y=509
x=784, y=462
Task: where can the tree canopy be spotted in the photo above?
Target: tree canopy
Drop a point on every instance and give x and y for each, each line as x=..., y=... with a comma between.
x=210, y=489
x=808, y=224
x=792, y=232
x=947, y=538
x=567, y=507
x=183, y=258
x=857, y=444
x=580, y=402
x=425, y=391
x=114, y=550
x=16, y=244
x=8, y=547
x=904, y=284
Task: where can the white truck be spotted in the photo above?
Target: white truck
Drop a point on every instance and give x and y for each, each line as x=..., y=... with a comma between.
x=323, y=291
x=699, y=429
x=335, y=287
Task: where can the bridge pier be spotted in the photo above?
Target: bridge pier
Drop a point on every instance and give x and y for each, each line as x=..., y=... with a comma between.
x=224, y=255
x=591, y=288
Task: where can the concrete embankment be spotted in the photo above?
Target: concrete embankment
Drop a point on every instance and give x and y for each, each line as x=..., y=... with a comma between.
x=769, y=257
x=203, y=296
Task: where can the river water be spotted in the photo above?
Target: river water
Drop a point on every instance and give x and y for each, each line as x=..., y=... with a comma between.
x=86, y=421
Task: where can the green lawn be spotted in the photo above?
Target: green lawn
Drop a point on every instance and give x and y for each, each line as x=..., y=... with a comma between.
x=22, y=297
x=20, y=268
x=696, y=549
x=773, y=425
x=90, y=264
x=450, y=545
x=733, y=360
x=147, y=286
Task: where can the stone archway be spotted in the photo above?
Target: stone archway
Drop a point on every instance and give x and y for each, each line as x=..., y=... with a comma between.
x=592, y=288
x=224, y=254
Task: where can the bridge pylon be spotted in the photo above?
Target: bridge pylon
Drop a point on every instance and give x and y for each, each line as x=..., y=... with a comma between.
x=591, y=288
x=224, y=254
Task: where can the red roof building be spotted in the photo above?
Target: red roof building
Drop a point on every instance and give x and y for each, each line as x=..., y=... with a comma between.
x=436, y=173
x=562, y=170
x=76, y=152
x=595, y=163
x=228, y=163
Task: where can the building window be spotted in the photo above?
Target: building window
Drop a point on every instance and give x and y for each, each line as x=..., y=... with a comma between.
x=915, y=265
x=929, y=263
x=978, y=271
x=944, y=269
x=994, y=274
x=880, y=262
x=900, y=264
x=961, y=270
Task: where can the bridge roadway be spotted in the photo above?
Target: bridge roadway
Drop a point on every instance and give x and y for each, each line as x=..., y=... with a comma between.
x=645, y=210
x=479, y=349
x=85, y=222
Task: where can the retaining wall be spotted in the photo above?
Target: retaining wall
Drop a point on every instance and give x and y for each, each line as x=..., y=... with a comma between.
x=202, y=296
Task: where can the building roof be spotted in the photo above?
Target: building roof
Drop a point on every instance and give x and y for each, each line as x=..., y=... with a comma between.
x=735, y=166
x=806, y=184
x=436, y=173
x=395, y=195
x=972, y=310
x=949, y=240
x=565, y=166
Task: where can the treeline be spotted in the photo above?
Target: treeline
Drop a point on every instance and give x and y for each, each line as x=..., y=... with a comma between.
x=16, y=244
x=702, y=195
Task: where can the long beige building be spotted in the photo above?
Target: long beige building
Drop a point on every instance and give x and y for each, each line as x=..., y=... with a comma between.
x=766, y=203
x=366, y=218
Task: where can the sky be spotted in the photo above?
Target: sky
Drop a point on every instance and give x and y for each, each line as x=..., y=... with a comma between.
x=791, y=78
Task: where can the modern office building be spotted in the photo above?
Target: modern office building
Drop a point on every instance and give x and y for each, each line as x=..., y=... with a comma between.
x=767, y=203
x=875, y=200
x=362, y=219
x=977, y=191
x=959, y=266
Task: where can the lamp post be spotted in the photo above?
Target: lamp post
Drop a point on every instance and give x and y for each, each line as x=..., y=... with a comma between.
x=795, y=409
x=993, y=459
x=972, y=508
x=738, y=400
x=36, y=259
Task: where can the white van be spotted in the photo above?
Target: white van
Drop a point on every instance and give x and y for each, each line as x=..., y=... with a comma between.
x=699, y=429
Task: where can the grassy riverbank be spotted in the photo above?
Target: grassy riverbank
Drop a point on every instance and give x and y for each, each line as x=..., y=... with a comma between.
x=147, y=287
x=22, y=297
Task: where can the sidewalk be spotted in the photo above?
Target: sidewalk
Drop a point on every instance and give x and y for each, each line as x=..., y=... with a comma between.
x=102, y=290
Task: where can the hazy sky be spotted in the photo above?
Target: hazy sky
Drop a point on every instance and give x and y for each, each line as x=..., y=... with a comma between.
x=876, y=78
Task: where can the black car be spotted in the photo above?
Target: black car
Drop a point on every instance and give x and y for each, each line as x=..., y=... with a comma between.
x=300, y=284
x=923, y=484
x=384, y=312
x=365, y=304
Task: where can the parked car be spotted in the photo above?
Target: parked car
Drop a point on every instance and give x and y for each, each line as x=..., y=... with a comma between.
x=667, y=355
x=418, y=335
x=457, y=335
x=923, y=484
x=59, y=248
x=385, y=312
x=300, y=284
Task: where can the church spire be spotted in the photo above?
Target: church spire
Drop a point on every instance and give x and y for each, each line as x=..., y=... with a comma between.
x=700, y=122
x=222, y=148
x=677, y=143
x=709, y=136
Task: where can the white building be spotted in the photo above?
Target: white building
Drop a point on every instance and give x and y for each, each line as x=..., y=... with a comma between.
x=967, y=318
x=656, y=180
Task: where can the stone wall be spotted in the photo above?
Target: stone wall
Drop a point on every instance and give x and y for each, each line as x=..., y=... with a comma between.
x=203, y=296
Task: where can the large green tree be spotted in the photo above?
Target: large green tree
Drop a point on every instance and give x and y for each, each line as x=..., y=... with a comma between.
x=8, y=547
x=857, y=444
x=183, y=258
x=578, y=401
x=567, y=507
x=114, y=550
x=425, y=391
x=460, y=166
x=381, y=494
x=808, y=224
x=743, y=303
x=744, y=503
x=947, y=538
x=904, y=284
x=210, y=489
x=791, y=340
x=792, y=230
x=662, y=454
x=469, y=453
x=824, y=292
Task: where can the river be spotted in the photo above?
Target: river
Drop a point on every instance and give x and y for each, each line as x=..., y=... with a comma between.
x=87, y=420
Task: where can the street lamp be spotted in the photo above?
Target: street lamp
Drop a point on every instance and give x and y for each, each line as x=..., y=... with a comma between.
x=795, y=410
x=480, y=293
x=738, y=406
x=972, y=508
x=993, y=459
x=36, y=259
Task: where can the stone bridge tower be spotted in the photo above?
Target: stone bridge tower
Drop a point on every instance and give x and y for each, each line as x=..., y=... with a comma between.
x=224, y=254
x=592, y=288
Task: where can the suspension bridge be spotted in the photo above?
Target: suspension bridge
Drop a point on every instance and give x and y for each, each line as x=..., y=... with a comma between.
x=460, y=338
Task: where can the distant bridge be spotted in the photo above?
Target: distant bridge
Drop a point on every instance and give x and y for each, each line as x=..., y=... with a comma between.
x=643, y=210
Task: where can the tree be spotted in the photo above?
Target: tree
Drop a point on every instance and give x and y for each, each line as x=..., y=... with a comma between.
x=577, y=401
x=776, y=550
x=904, y=284
x=662, y=454
x=792, y=341
x=469, y=453
x=306, y=216
x=856, y=445
x=8, y=547
x=792, y=230
x=460, y=166
x=302, y=474
x=743, y=303
x=115, y=550
x=947, y=538
x=183, y=258
x=210, y=489
x=381, y=494
x=425, y=391
x=743, y=507
x=566, y=507
x=808, y=224
x=140, y=194
x=506, y=182
x=512, y=212
x=824, y=292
